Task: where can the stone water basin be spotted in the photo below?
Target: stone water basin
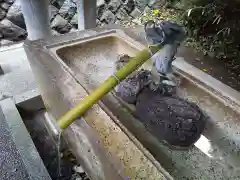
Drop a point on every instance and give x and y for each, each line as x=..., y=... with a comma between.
x=214, y=156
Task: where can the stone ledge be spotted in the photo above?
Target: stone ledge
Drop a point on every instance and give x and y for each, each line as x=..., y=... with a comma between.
x=20, y=158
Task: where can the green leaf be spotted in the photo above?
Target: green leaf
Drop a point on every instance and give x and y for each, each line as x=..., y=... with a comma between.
x=229, y=30
x=217, y=19
x=189, y=12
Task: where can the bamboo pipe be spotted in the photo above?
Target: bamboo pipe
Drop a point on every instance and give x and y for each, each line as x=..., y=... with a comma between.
x=105, y=87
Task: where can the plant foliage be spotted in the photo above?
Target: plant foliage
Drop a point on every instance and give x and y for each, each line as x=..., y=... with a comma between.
x=213, y=23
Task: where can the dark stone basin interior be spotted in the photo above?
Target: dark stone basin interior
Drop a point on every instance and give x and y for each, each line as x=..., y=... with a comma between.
x=57, y=157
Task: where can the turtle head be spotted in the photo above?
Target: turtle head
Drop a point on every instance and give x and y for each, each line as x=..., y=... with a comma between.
x=168, y=35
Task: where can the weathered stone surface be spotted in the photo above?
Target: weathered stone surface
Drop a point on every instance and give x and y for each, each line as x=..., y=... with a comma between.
x=117, y=22
x=2, y=14
x=11, y=31
x=73, y=30
x=156, y=3
x=1, y=71
x=5, y=6
x=100, y=11
x=18, y=156
x=59, y=21
x=129, y=5
x=17, y=19
x=74, y=21
x=147, y=10
x=71, y=12
x=108, y=16
x=136, y=12
x=14, y=9
x=11, y=162
x=122, y=13
x=100, y=2
x=64, y=8
x=98, y=22
x=107, y=1
x=141, y=4
x=54, y=32
x=137, y=21
x=68, y=10
x=52, y=11
x=74, y=1
x=9, y=1
x=102, y=24
x=63, y=12
x=57, y=3
x=15, y=15
x=62, y=29
x=4, y=42
x=114, y=5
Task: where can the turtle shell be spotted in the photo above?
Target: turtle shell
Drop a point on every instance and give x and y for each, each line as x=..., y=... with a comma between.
x=172, y=119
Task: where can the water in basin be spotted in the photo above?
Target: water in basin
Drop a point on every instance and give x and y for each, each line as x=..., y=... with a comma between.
x=214, y=156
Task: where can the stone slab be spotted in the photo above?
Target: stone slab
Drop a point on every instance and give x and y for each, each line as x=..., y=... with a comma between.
x=29, y=101
x=18, y=77
x=19, y=159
